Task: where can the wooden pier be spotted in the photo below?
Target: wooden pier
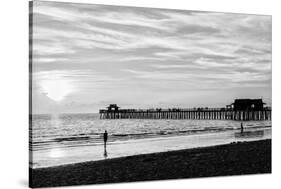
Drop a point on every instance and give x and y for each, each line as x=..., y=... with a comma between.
x=194, y=113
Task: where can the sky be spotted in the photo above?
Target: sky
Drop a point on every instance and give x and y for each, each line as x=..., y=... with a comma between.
x=86, y=56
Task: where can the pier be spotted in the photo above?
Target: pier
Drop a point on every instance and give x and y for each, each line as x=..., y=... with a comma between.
x=232, y=112
x=200, y=114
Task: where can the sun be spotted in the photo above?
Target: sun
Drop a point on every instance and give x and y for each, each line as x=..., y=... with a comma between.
x=56, y=88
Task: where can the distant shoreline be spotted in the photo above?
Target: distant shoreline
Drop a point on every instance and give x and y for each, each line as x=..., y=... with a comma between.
x=222, y=160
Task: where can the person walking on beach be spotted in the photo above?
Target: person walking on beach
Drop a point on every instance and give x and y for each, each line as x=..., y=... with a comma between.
x=242, y=128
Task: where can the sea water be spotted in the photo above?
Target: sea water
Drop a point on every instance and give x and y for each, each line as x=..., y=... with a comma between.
x=58, y=139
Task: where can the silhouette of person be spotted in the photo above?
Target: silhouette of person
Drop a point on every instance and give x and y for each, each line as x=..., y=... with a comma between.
x=105, y=135
x=242, y=128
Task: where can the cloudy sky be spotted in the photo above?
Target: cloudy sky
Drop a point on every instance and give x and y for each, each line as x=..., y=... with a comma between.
x=88, y=56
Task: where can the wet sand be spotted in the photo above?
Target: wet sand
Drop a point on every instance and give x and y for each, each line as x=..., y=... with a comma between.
x=91, y=152
x=230, y=159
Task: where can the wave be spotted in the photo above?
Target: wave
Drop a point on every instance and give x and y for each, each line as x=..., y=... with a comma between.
x=71, y=139
x=96, y=138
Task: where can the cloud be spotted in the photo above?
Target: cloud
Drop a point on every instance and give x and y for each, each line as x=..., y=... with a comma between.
x=48, y=60
x=171, y=66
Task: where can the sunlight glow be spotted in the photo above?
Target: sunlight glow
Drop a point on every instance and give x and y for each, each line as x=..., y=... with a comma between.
x=55, y=85
x=56, y=90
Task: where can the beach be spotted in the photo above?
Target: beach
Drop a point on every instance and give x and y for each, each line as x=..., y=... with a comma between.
x=237, y=158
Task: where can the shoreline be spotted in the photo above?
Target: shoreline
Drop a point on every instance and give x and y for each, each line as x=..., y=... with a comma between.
x=221, y=160
x=64, y=156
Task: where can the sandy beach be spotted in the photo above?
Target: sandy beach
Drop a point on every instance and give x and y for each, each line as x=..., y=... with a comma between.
x=230, y=159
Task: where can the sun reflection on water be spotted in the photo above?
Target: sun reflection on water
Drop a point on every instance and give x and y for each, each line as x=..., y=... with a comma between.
x=56, y=153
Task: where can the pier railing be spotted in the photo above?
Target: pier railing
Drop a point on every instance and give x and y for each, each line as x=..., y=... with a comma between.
x=188, y=113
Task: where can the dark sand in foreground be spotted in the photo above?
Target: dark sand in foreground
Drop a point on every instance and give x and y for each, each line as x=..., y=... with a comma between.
x=230, y=159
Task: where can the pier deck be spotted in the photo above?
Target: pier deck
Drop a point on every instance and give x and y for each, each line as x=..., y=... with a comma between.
x=194, y=113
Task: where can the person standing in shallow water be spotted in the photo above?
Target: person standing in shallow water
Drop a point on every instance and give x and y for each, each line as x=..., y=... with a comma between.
x=242, y=128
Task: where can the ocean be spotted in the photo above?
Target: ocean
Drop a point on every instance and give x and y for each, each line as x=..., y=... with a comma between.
x=70, y=138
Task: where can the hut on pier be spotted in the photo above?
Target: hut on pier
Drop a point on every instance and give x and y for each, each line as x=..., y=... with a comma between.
x=247, y=105
x=113, y=107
